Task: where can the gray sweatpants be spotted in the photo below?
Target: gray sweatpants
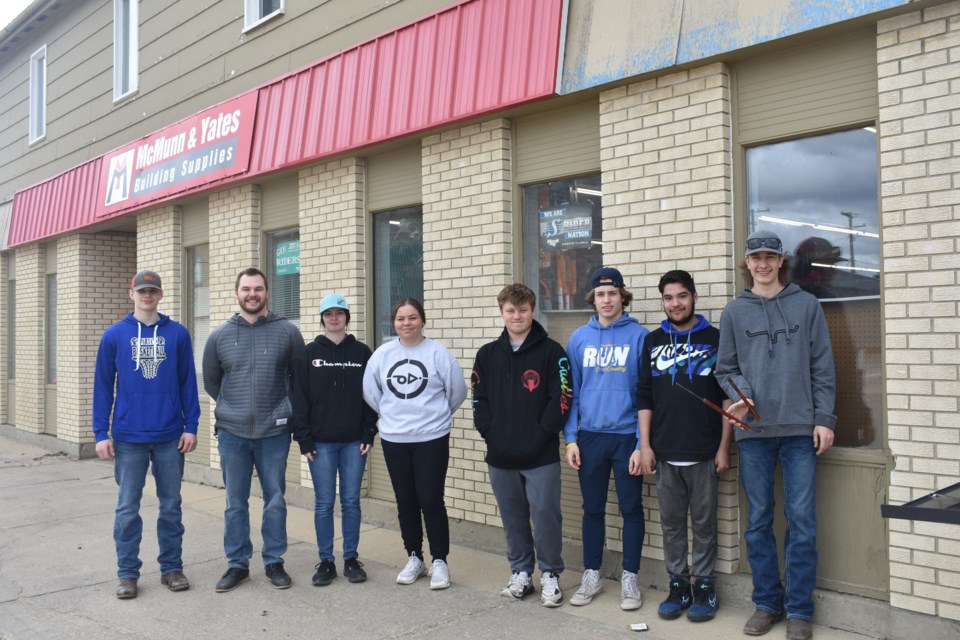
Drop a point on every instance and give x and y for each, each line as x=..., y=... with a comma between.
x=526, y=494
x=678, y=488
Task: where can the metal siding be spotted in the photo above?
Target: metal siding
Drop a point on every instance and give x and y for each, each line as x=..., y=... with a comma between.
x=475, y=57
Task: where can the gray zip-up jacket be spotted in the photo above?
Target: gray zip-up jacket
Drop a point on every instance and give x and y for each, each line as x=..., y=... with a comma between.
x=777, y=350
x=246, y=370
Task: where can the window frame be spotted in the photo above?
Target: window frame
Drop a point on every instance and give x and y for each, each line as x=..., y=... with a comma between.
x=253, y=16
x=382, y=328
x=37, y=126
x=270, y=241
x=126, y=48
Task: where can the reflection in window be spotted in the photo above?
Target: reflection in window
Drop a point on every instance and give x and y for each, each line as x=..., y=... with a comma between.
x=398, y=263
x=198, y=299
x=257, y=11
x=563, y=245
x=283, y=274
x=126, y=48
x=38, y=95
x=819, y=194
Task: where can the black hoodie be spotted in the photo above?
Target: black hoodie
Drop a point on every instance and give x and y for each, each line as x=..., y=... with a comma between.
x=328, y=401
x=521, y=399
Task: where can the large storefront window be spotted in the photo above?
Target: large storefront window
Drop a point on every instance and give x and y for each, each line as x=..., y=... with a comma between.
x=563, y=245
x=398, y=263
x=819, y=194
x=283, y=274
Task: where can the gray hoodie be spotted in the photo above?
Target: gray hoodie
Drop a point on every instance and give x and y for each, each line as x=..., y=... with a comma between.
x=777, y=350
x=246, y=370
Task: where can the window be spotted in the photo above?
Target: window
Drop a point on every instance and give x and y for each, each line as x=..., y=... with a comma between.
x=258, y=11
x=197, y=297
x=126, y=51
x=397, y=263
x=283, y=274
x=51, y=329
x=11, y=329
x=38, y=94
x=819, y=194
x=562, y=246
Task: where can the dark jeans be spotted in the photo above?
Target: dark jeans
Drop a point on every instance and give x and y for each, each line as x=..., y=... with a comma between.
x=418, y=471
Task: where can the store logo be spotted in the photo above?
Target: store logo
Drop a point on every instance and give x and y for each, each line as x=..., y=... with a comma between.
x=118, y=185
x=407, y=379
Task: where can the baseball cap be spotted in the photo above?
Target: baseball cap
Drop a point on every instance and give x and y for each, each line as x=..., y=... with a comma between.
x=762, y=240
x=606, y=273
x=146, y=280
x=333, y=301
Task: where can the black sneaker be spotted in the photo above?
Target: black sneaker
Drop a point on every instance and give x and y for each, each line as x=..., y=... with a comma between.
x=353, y=570
x=232, y=579
x=326, y=572
x=678, y=600
x=705, y=601
x=278, y=577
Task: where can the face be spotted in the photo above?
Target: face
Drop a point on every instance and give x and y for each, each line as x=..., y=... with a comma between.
x=679, y=304
x=517, y=319
x=252, y=294
x=334, y=320
x=146, y=300
x=764, y=267
x=608, y=301
x=407, y=323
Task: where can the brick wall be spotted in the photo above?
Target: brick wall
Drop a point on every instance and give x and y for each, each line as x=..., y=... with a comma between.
x=90, y=268
x=6, y=266
x=159, y=248
x=919, y=93
x=467, y=259
x=666, y=162
x=31, y=262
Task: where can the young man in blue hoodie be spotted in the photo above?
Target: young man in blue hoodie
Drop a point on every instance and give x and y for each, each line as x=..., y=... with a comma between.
x=148, y=358
x=775, y=346
x=602, y=431
x=690, y=442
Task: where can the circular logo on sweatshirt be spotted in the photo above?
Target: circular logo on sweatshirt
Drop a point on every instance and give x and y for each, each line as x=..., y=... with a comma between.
x=407, y=379
x=530, y=380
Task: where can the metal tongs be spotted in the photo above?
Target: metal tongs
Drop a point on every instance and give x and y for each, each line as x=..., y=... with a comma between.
x=728, y=416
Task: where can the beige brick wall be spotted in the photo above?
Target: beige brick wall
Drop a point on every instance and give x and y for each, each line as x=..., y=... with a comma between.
x=234, y=246
x=6, y=267
x=665, y=156
x=31, y=262
x=919, y=93
x=467, y=259
x=332, y=246
x=159, y=248
x=90, y=267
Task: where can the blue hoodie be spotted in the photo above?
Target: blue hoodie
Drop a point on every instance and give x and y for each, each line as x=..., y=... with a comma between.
x=157, y=397
x=605, y=366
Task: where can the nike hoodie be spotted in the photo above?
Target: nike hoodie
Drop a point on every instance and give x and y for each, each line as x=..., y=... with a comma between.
x=777, y=350
x=605, y=366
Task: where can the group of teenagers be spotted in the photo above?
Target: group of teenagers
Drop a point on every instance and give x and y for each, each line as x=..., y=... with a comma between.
x=613, y=394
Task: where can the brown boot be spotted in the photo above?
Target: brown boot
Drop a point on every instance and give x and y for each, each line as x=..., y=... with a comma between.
x=127, y=588
x=175, y=581
x=798, y=629
x=760, y=622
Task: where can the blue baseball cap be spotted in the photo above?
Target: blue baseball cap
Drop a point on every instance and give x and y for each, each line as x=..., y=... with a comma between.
x=606, y=273
x=333, y=301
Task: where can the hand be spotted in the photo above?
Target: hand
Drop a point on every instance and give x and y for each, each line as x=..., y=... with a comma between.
x=188, y=442
x=739, y=410
x=643, y=462
x=722, y=459
x=105, y=449
x=822, y=438
x=365, y=449
x=573, y=456
x=311, y=455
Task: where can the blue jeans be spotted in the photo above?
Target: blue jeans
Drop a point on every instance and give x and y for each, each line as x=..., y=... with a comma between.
x=130, y=471
x=798, y=465
x=599, y=454
x=238, y=458
x=331, y=459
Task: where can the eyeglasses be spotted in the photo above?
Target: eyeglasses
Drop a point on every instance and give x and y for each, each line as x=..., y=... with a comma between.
x=765, y=243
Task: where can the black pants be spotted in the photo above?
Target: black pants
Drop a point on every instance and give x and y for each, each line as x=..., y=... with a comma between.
x=418, y=471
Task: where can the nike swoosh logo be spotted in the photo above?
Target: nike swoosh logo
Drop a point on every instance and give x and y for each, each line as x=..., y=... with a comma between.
x=665, y=363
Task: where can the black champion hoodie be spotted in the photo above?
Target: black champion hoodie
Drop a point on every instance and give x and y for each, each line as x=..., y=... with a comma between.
x=328, y=403
x=521, y=399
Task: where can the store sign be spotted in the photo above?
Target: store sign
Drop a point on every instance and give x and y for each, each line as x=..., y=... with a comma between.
x=205, y=147
x=288, y=258
x=566, y=227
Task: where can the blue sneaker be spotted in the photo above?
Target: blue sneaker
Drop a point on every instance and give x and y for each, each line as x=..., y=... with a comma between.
x=678, y=600
x=705, y=601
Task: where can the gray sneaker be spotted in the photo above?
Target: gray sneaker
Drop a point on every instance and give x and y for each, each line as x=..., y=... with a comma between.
x=550, y=593
x=630, y=598
x=519, y=586
x=412, y=571
x=589, y=587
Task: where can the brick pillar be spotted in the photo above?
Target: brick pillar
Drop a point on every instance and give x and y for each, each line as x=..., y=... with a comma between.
x=234, y=246
x=6, y=262
x=94, y=267
x=467, y=259
x=919, y=85
x=665, y=156
x=159, y=248
x=31, y=366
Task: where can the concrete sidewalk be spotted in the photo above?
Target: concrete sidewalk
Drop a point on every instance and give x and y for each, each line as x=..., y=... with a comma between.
x=58, y=568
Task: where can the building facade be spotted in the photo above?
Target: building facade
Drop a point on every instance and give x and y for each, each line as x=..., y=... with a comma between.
x=440, y=150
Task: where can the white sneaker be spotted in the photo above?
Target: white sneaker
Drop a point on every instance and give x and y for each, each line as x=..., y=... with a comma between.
x=519, y=586
x=630, y=597
x=550, y=594
x=589, y=587
x=412, y=572
x=439, y=575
